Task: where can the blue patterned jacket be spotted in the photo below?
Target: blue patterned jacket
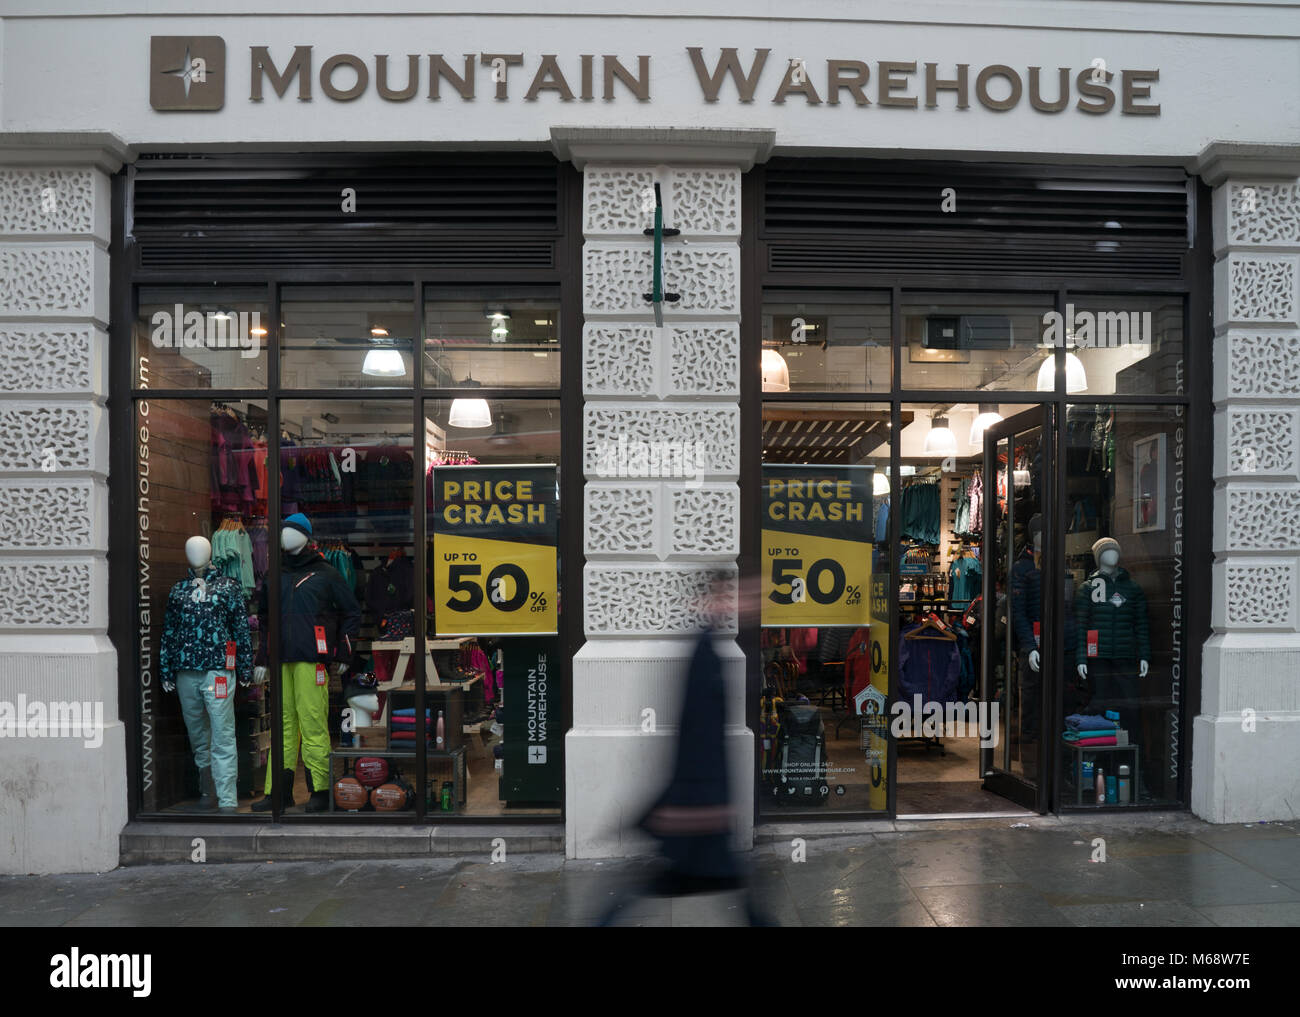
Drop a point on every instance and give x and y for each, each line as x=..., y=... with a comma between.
x=204, y=612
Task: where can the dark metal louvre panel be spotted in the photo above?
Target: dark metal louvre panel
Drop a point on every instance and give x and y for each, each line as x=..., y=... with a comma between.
x=440, y=211
x=852, y=216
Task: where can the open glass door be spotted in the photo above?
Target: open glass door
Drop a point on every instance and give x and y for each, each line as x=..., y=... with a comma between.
x=1018, y=650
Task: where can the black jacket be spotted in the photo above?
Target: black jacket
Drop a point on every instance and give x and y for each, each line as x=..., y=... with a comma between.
x=1116, y=608
x=313, y=593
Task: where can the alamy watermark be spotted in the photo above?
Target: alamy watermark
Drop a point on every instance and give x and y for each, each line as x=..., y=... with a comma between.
x=659, y=460
x=214, y=330
x=1097, y=329
x=931, y=719
x=39, y=718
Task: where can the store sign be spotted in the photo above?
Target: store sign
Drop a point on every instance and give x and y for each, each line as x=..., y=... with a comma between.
x=188, y=73
x=533, y=742
x=817, y=528
x=495, y=569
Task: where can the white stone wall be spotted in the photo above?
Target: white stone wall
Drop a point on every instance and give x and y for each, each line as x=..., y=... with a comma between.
x=63, y=798
x=654, y=542
x=1246, y=740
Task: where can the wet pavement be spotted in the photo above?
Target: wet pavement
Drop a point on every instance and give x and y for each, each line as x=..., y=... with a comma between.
x=1158, y=870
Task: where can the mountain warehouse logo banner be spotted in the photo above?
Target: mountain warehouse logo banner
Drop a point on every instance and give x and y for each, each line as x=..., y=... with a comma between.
x=187, y=72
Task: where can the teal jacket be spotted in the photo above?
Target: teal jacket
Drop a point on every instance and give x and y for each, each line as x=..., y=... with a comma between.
x=1118, y=611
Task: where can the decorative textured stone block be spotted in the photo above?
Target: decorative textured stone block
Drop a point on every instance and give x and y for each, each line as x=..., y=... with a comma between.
x=618, y=199
x=1262, y=440
x=50, y=279
x=47, y=200
x=616, y=276
x=35, y=435
x=706, y=201
x=704, y=520
x=650, y=441
x=61, y=515
x=50, y=358
x=1256, y=594
x=621, y=519
x=1251, y=288
x=618, y=359
x=705, y=360
x=52, y=593
x=649, y=600
x=1260, y=518
x=1263, y=213
x=1257, y=365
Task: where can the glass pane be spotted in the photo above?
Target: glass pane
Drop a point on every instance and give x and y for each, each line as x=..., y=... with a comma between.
x=200, y=562
x=816, y=341
x=501, y=693
x=1126, y=625
x=972, y=341
x=823, y=743
x=1127, y=345
x=201, y=337
x=348, y=472
x=346, y=337
x=499, y=342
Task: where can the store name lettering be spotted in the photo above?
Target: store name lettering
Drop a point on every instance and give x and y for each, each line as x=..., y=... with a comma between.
x=901, y=84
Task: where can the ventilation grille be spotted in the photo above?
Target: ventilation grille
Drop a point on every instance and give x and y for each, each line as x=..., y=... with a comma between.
x=438, y=212
x=855, y=216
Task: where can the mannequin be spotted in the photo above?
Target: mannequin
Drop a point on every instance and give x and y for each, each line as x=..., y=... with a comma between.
x=319, y=622
x=1114, y=647
x=1026, y=616
x=206, y=648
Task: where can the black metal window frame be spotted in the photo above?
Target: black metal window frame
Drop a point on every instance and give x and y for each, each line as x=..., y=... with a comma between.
x=1192, y=283
x=129, y=275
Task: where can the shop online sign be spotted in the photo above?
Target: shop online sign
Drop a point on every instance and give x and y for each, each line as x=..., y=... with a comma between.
x=188, y=74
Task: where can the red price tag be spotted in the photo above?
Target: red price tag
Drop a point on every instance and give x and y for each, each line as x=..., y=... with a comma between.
x=1037, y=638
x=321, y=646
x=222, y=686
x=1092, y=642
x=321, y=674
x=230, y=655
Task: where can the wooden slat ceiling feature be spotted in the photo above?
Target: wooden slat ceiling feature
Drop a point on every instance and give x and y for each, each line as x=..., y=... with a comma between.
x=811, y=435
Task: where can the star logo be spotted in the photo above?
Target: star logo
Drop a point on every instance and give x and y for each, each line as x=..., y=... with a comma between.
x=537, y=754
x=187, y=72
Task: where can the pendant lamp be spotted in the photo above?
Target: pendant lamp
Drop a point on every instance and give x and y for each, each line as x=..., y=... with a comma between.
x=940, y=441
x=776, y=373
x=384, y=363
x=988, y=416
x=1076, y=378
x=469, y=412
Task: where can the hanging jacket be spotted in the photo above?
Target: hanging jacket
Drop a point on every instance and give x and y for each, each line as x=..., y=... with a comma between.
x=928, y=666
x=313, y=593
x=1026, y=601
x=1120, y=618
x=205, y=612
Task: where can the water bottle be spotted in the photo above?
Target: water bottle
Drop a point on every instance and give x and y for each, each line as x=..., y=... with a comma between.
x=442, y=733
x=1125, y=785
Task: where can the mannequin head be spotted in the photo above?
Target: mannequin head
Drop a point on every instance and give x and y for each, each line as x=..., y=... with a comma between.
x=295, y=532
x=1036, y=533
x=198, y=552
x=1106, y=552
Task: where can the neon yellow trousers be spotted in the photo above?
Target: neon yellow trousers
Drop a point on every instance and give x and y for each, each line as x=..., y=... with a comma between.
x=306, y=716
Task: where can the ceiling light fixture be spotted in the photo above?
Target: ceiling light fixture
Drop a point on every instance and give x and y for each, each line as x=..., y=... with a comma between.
x=384, y=362
x=1076, y=378
x=469, y=412
x=940, y=441
x=987, y=417
x=776, y=372
x=500, y=330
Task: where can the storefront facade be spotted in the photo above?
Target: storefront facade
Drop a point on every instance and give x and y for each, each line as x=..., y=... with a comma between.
x=930, y=195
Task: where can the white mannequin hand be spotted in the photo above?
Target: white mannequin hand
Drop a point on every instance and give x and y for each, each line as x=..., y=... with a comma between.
x=1033, y=661
x=343, y=670
x=169, y=686
x=1142, y=668
x=1083, y=670
x=259, y=675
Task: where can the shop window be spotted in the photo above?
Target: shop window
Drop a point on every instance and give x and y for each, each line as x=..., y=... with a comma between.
x=346, y=337
x=822, y=738
x=508, y=341
x=492, y=475
x=1126, y=623
x=825, y=341
x=975, y=341
x=201, y=337
x=201, y=561
x=1126, y=345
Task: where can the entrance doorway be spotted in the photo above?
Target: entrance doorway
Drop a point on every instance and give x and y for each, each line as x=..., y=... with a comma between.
x=969, y=708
